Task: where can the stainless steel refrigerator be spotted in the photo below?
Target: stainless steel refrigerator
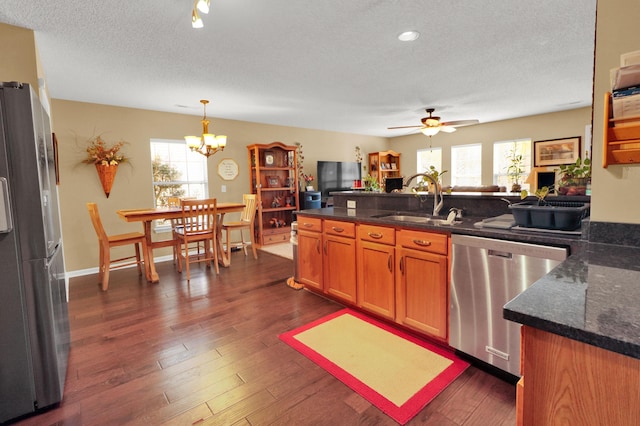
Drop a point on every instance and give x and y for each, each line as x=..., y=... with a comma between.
x=34, y=324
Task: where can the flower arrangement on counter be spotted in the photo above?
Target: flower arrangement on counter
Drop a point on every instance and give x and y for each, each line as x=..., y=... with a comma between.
x=307, y=178
x=98, y=152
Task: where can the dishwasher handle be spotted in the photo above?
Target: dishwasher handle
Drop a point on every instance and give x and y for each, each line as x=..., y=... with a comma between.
x=498, y=253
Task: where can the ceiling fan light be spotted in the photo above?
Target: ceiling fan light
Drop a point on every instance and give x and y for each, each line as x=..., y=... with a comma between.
x=196, y=22
x=447, y=129
x=203, y=6
x=408, y=35
x=430, y=131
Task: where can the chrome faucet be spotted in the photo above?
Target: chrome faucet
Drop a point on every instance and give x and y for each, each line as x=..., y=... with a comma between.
x=437, y=204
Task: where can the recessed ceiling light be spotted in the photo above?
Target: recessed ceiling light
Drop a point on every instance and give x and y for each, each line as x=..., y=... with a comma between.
x=408, y=36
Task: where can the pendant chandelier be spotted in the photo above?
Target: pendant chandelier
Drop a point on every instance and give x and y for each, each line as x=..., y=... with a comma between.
x=207, y=144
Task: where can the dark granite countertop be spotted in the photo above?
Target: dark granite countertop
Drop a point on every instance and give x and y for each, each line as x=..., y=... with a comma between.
x=592, y=297
x=467, y=226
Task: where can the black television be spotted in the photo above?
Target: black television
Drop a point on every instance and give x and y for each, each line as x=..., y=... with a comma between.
x=337, y=176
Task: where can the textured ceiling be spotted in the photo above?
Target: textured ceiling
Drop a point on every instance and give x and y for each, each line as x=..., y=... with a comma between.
x=329, y=64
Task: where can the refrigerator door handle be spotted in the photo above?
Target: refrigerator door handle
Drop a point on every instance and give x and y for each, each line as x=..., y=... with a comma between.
x=6, y=221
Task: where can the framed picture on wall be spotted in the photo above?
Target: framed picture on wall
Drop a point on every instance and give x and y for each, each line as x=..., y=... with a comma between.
x=555, y=152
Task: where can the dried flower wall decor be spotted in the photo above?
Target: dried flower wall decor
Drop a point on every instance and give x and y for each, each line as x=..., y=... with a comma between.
x=99, y=153
x=106, y=159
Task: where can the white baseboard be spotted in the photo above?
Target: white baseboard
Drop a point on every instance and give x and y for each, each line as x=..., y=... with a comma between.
x=91, y=271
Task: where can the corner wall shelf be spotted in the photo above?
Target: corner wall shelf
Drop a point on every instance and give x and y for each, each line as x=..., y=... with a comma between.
x=621, y=137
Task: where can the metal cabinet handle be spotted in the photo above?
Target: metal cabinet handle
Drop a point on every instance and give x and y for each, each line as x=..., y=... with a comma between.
x=423, y=243
x=318, y=247
x=375, y=235
x=401, y=265
x=325, y=247
x=335, y=228
x=307, y=225
x=389, y=265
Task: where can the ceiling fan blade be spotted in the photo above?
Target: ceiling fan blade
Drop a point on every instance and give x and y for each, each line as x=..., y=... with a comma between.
x=403, y=127
x=447, y=129
x=460, y=123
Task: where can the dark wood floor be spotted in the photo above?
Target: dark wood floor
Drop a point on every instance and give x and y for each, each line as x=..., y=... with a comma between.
x=208, y=353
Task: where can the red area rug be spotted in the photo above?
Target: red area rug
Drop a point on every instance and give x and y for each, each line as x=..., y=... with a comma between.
x=398, y=373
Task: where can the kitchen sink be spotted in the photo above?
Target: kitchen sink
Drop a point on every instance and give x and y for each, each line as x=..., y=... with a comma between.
x=415, y=219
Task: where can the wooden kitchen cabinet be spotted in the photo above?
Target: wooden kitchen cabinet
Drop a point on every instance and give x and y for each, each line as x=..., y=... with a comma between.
x=376, y=270
x=339, y=277
x=569, y=382
x=310, y=252
x=422, y=282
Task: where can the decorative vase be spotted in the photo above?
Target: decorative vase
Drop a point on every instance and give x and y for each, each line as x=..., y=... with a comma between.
x=516, y=187
x=107, y=174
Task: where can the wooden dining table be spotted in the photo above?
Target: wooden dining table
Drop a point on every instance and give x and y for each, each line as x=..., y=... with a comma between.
x=146, y=216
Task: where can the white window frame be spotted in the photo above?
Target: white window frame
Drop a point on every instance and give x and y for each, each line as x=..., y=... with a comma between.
x=501, y=162
x=470, y=180
x=422, y=163
x=188, y=161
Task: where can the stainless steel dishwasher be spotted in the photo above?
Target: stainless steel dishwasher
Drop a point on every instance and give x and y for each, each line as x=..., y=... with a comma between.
x=485, y=274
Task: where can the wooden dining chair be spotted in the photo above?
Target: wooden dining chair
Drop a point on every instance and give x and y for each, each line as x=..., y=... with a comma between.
x=199, y=223
x=107, y=242
x=246, y=222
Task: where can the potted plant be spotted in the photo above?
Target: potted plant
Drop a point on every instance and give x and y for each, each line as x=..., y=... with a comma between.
x=515, y=169
x=424, y=184
x=371, y=184
x=574, y=177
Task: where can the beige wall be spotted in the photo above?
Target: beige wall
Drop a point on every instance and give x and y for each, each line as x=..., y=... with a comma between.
x=20, y=60
x=76, y=122
x=537, y=127
x=615, y=189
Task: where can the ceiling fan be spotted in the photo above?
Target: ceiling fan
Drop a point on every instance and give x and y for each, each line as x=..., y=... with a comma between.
x=431, y=125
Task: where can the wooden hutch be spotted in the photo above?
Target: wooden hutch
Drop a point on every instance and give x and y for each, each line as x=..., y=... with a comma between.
x=274, y=180
x=384, y=164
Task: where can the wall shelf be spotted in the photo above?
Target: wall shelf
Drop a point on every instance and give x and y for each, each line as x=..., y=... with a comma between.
x=621, y=137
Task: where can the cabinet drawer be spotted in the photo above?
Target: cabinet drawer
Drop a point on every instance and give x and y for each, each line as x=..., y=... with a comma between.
x=344, y=229
x=310, y=224
x=378, y=234
x=275, y=238
x=424, y=241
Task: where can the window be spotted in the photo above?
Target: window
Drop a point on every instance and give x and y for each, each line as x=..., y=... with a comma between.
x=429, y=157
x=177, y=172
x=503, y=152
x=466, y=165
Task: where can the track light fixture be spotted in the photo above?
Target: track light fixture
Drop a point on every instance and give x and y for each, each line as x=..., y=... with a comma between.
x=202, y=6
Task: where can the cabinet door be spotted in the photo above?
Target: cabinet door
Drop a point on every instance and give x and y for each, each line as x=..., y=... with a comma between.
x=375, y=291
x=310, y=258
x=340, y=267
x=422, y=292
